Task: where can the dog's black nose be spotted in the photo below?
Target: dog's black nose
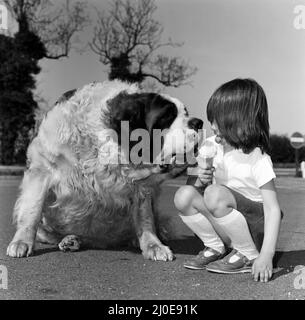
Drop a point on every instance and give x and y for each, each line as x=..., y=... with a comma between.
x=195, y=123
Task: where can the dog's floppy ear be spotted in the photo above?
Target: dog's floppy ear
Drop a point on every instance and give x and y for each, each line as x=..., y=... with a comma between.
x=161, y=115
x=126, y=107
x=142, y=111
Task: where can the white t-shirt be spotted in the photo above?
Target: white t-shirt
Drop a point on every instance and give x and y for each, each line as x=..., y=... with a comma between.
x=244, y=173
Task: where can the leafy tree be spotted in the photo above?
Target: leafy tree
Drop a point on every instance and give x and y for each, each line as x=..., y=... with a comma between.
x=282, y=151
x=19, y=57
x=127, y=38
x=45, y=31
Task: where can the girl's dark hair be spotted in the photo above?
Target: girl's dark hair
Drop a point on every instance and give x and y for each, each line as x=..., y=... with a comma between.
x=240, y=110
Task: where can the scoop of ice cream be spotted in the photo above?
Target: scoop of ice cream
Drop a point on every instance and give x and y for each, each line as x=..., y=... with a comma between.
x=208, y=150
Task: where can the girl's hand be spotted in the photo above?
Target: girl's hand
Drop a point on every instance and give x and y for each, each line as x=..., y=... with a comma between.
x=262, y=268
x=206, y=174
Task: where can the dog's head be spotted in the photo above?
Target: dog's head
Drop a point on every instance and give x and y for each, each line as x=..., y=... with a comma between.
x=152, y=127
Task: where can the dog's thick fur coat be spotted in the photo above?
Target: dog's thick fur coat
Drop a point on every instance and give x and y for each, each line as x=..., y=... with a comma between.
x=69, y=194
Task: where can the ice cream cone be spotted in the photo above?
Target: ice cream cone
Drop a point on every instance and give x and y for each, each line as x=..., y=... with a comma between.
x=204, y=160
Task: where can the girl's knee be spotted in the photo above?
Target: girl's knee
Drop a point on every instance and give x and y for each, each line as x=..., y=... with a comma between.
x=217, y=199
x=184, y=197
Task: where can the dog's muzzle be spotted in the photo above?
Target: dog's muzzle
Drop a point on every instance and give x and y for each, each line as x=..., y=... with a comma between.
x=196, y=125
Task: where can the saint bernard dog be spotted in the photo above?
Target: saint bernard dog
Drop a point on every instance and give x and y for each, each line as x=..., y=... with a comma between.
x=80, y=187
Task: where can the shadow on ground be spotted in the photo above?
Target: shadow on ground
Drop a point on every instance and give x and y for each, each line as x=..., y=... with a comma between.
x=188, y=245
x=287, y=261
x=42, y=249
x=284, y=261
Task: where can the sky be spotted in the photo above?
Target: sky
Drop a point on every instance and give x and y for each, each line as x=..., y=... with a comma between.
x=224, y=39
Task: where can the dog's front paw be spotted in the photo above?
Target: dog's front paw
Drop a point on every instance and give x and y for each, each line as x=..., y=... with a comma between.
x=19, y=249
x=158, y=252
x=69, y=243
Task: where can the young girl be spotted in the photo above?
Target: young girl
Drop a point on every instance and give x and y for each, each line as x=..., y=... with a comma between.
x=241, y=209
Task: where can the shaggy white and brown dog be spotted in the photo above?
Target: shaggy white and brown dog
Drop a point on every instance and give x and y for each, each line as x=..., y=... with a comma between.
x=76, y=192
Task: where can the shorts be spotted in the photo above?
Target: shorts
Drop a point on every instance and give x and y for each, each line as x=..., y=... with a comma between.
x=253, y=212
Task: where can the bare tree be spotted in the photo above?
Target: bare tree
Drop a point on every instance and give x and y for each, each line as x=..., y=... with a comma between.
x=56, y=25
x=127, y=39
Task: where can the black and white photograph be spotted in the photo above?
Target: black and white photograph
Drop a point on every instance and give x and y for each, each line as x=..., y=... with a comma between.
x=152, y=150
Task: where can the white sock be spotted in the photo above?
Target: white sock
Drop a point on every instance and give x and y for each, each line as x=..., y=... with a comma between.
x=203, y=228
x=235, y=226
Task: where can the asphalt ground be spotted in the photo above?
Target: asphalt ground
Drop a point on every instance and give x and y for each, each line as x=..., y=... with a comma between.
x=123, y=274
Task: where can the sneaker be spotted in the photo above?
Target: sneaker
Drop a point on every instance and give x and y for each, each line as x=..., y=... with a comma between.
x=203, y=258
x=234, y=262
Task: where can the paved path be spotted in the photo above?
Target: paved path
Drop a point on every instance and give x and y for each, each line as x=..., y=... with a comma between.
x=121, y=274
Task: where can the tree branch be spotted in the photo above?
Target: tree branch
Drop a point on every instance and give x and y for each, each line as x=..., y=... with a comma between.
x=56, y=25
x=127, y=38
